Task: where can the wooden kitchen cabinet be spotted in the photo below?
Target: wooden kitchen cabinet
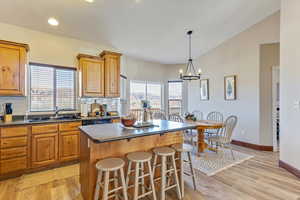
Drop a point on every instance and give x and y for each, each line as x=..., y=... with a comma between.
x=14, y=145
x=13, y=59
x=69, y=141
x=69, y=145
x=112, y=73
x=91, y=75
x=44, y=149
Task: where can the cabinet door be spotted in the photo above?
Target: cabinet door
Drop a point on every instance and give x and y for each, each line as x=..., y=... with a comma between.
x=112, y=76
x=92, y=77
x=12, y=70
x=44, y=149
x=69, y=145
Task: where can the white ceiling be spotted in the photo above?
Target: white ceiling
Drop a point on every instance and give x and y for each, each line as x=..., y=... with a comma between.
x=153, y=30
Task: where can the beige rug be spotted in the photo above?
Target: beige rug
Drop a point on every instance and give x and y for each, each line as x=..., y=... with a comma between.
x=211, y=163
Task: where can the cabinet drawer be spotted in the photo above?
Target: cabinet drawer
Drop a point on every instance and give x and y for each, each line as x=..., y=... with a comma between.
x=14, y=131
x=13, y=142
x=69, y=126
x=13, y=152
x=46, y=128
x=12, y=165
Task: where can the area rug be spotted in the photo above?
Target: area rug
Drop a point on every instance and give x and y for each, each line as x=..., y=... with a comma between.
x=211, y=163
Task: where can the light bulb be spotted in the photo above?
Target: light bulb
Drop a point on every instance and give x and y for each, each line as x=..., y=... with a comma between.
x=190, y=74
x=181, y=71
x=199, y=71
x=53, y=22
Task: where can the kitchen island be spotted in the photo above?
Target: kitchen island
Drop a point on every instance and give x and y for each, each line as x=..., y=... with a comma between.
x=113, y=140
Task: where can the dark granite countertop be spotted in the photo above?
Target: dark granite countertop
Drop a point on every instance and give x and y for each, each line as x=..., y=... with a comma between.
x=28, y=122
x=111, y=132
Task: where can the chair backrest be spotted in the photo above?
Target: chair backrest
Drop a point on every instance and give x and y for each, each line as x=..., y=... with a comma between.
x=159, y=115
x=175, y=118
x=230, y=124
x=136, y=113
x=215, y=116
x=198, y=114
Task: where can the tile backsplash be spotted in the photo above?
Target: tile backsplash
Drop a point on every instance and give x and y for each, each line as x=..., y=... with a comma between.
x=113, y=104
x=20, y=104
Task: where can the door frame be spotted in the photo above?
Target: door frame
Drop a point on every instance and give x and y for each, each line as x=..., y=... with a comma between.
x=275, y=104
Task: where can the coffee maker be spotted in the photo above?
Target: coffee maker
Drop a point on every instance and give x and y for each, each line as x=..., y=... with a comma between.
x=7, y=112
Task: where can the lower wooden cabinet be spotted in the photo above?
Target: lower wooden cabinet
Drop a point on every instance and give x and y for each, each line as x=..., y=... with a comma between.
x=44, y=149
x=26, y=148
x=13, y=165
x=69, y=145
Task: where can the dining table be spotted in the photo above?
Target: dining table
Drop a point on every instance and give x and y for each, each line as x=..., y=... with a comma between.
x=202, y=126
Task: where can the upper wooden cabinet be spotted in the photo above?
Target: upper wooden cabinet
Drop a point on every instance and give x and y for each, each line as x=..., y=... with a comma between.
x=13, y=59
x=91, y=75
x=112, y=73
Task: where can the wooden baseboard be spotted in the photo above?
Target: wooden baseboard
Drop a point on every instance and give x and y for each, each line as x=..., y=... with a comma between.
x=289, y=168
x=252, y=146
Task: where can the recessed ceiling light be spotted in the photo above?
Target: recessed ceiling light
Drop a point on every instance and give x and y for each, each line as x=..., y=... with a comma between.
x=53, y=22
x=90, y=1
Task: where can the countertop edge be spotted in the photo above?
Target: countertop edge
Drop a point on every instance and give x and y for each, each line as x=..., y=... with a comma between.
x=20, y=122
x=129, y=137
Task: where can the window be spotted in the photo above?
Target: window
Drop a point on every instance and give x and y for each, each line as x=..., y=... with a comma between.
x=175, y=97
x=51, y=87
x=142, y=90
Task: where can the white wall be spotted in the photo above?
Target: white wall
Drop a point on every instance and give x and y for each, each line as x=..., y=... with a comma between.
x=238, y=56
x=58, y=50
x=269, y=58
x=290, y=82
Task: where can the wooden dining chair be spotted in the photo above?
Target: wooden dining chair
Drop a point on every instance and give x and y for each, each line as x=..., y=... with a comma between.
x=224, y=138
x=176, y=118
x=198, y=114
x=159, y=115
x=136, y=113
x=216, y=117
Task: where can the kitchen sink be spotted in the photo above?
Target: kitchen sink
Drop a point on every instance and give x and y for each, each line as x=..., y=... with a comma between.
x=41, y=119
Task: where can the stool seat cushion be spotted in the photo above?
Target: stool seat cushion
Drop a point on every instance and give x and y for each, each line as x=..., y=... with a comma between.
x=139, y=156
x=182, y=147
x=164, y=151
x=110, y=164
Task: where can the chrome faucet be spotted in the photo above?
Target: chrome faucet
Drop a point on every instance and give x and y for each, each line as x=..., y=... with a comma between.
x=57, y=111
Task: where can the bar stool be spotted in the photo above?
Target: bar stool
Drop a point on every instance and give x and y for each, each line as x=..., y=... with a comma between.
x=140, y=158
x=104, y=167
x=167, y=169
x=181, y=149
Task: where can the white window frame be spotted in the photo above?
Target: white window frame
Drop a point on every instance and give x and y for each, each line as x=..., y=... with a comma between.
x=182, y=96
x=54, y=93
x=148, y=82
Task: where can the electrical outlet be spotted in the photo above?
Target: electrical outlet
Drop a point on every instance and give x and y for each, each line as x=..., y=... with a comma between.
x=243, y=132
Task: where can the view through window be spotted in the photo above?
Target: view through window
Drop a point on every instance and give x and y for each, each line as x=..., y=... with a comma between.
x=142, y=90
x=175, y=97
x=51, y=87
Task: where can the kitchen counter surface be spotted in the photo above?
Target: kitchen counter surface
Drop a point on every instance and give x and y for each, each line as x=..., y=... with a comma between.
x=28, y=122
x=111, y=132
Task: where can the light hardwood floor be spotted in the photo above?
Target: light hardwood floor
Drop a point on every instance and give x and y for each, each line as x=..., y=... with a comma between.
x=259, y=178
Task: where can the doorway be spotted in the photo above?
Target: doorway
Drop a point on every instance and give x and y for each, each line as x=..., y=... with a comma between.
x=276, y=107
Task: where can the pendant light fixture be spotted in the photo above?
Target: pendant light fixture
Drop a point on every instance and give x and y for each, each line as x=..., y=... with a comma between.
x=190, y=72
